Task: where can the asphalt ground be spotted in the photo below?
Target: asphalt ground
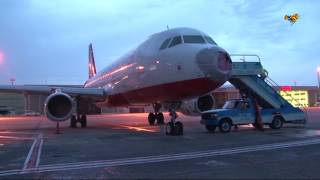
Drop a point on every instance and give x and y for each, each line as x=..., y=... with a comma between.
x=124, y=146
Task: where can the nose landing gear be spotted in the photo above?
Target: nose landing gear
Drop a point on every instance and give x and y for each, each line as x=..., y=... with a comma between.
x=173, y=127
x=82, y=119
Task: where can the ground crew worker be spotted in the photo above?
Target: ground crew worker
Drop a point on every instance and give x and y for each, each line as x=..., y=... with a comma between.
x=258, y=122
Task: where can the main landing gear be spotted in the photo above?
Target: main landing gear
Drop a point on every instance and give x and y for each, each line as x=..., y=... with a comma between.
x=156, y=116
x=82, y=119
x=173, y=127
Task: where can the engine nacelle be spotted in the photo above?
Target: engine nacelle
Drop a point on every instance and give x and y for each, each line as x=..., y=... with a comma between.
x=59, y=106
x=194, y=107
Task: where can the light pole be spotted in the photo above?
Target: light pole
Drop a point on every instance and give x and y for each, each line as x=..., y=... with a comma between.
x=318, y=74
x=12, y=80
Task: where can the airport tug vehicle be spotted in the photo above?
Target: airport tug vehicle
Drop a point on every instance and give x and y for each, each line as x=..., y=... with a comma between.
x=260, y=102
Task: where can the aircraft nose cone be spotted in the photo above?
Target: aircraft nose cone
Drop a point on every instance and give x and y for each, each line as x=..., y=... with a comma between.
x=215, y=63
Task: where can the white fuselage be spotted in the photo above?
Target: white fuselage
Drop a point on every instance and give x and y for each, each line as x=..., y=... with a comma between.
x=149, y=74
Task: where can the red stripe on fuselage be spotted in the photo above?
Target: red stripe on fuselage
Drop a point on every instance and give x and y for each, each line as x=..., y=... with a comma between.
x=164, y=92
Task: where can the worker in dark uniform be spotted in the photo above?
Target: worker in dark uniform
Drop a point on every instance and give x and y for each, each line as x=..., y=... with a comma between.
x=258, y=122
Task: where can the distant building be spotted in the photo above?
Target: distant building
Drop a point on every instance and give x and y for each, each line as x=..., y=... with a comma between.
x=298, y=96
x=12, y=101
x=30, y=103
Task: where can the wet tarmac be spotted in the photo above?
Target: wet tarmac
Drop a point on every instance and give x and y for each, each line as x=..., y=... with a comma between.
x=125, y=146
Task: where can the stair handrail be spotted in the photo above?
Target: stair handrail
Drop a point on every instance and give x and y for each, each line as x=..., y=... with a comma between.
x=244, y=55
x=274, y=84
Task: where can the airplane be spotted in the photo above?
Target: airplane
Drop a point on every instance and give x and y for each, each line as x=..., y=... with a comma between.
x=176, y=69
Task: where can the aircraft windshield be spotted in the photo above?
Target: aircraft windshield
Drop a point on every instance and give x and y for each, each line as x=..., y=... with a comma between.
x=189, y=39
x=210, y=40
x=165, y=43
x=175, y=41
x=194, y=39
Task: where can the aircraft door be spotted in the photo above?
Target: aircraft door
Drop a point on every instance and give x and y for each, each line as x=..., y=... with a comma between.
x=245, y=113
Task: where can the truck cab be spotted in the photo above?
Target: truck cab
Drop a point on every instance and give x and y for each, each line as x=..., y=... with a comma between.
x=242, y=112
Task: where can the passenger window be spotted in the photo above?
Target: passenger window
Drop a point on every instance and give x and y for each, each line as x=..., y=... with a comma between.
x=194, y=39
x=175, y=41
x=165, y=43
x=210, y=40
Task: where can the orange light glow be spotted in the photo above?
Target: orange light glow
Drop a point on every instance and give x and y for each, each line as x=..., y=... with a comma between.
x=138, y=129
x=110, y=74
x=1, y=57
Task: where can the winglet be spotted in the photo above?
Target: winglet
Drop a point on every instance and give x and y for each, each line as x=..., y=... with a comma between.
x=92, y=64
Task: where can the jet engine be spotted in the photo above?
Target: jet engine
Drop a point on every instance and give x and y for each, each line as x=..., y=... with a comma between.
x=195, y=106
x=59, y=106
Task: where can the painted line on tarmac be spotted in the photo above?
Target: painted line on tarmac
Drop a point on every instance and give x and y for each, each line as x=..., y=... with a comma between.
x=181, y=156
x=161, y=158
x=10, y=172
x=33, y=158
x=18, y=132
x=16, y=138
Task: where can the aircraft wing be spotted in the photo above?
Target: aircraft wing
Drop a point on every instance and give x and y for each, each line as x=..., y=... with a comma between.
x=36, y=89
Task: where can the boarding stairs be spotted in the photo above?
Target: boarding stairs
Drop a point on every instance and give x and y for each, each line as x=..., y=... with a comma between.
x=252, y=79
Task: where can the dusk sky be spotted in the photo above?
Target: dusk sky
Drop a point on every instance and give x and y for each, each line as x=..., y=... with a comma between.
x=46, y=41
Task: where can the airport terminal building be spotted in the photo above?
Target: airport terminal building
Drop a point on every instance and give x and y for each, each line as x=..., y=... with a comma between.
x=299, y=96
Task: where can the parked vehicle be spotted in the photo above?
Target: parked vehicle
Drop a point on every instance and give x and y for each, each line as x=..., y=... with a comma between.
x=242, y=112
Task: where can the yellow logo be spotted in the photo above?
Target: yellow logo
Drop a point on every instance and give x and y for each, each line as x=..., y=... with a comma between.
x=292, y=18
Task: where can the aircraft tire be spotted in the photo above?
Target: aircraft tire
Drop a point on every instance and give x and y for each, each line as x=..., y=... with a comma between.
x=170, y=128
x=151, y=119
x=178, y=128
x=160, y=119
x=73, y=121
x=83, y=121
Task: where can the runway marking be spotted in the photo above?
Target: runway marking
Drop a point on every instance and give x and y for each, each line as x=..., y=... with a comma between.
x=33, y=158
x=161, y=158
x=15, y=137
x=18, y=132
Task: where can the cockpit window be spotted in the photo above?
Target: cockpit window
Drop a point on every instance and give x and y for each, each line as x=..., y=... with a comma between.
x=175, y=41
x=194, y=39
x=165, y=43
x=210, y=40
